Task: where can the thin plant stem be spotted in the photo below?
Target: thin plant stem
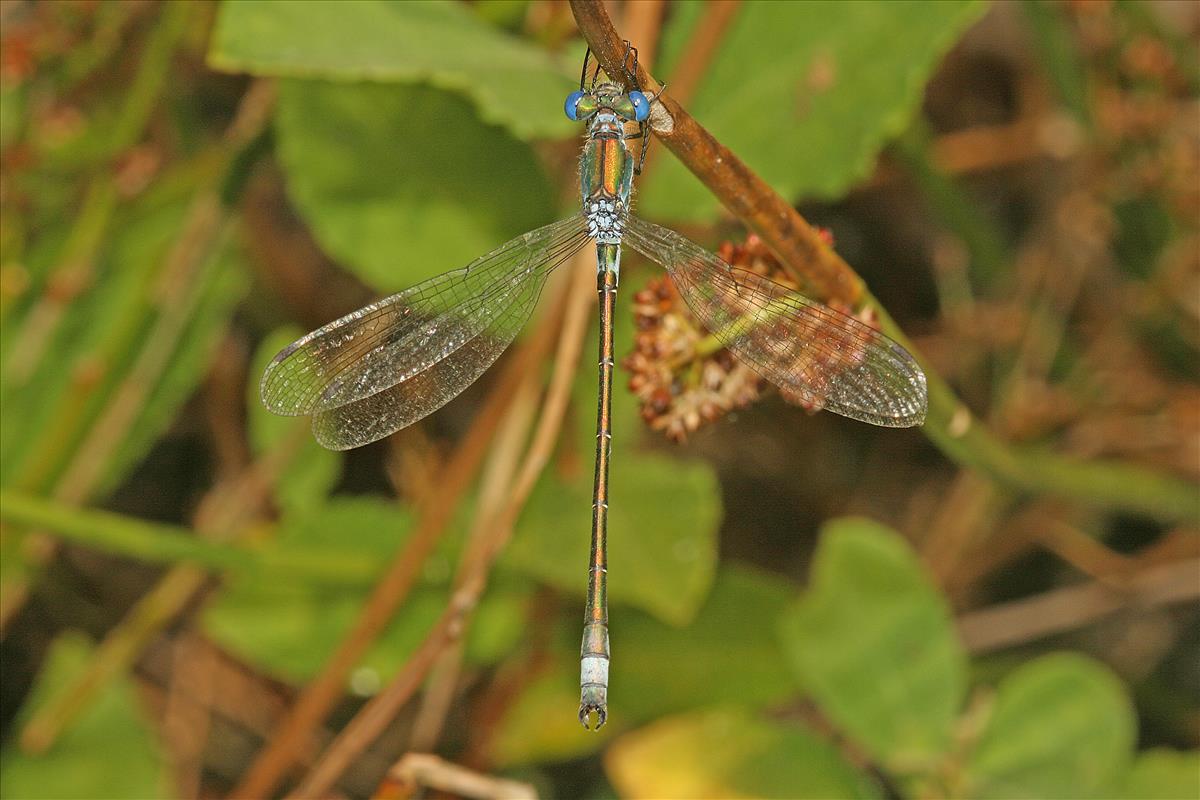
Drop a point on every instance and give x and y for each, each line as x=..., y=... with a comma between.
x=415, y=772
x=159, y=543
x=501, y=464
x=1058, y=610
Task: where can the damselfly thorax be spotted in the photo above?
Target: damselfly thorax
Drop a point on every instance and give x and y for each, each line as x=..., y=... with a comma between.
x=607, y=166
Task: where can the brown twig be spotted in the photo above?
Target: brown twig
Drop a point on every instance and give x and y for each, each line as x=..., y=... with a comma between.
x=502, y=462
x=375, y=716
x=965, y=514
x=643, y=19
x=695, y=58
x=319, y=696
x=982, y=148
x=417, y=771
x=186, y=716
x=370, y=722
x=1059, y=610
x=507, y=685
x=237, y=696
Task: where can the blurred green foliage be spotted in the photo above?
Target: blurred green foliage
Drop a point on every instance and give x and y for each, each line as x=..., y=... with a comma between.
x=110, y=753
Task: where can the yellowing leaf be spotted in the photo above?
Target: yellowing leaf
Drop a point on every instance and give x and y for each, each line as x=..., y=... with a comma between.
x=729, y=753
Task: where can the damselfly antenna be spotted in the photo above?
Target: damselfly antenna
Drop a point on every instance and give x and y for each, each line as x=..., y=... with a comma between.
x=583, y=73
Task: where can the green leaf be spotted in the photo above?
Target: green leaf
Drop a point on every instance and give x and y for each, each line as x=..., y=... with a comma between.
x=401, y=183
x=290, y=628
x=730, y=753
x=730, y=652
x=108, y=752
x=1162, y=774
x=661, y=534
x=311, y=473
x=1062, y=726
x=806, y=93
x=662, y=519
x=874, y=643
x=511, y=82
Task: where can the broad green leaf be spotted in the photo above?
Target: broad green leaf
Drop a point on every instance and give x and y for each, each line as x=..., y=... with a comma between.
x=805, y=93
x=729, y=653
x=1062, y=726
x=661, y=534
x=312, y=471
x=873, y=642
x=727, y=753
x=662, y=519
x=401, y=183
x=108, y=752
x=1162, y=774
x=511, y=82
x=290, y=628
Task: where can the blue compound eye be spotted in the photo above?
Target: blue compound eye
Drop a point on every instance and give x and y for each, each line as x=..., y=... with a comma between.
x=570, y=107
x=641, y=106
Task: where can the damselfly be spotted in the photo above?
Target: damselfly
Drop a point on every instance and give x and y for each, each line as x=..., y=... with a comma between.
x=386, y=366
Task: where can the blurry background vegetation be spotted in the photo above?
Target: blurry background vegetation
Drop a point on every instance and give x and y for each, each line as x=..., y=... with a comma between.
x=803, y=606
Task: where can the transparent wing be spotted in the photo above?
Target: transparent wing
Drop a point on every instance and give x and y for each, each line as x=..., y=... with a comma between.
x=370, y=418
x=827, y=358
x=370, y=366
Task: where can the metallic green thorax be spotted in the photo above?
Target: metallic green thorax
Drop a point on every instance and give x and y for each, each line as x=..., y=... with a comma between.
x=606, y=172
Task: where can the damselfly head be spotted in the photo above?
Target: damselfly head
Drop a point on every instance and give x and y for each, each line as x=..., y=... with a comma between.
x=582, y=104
